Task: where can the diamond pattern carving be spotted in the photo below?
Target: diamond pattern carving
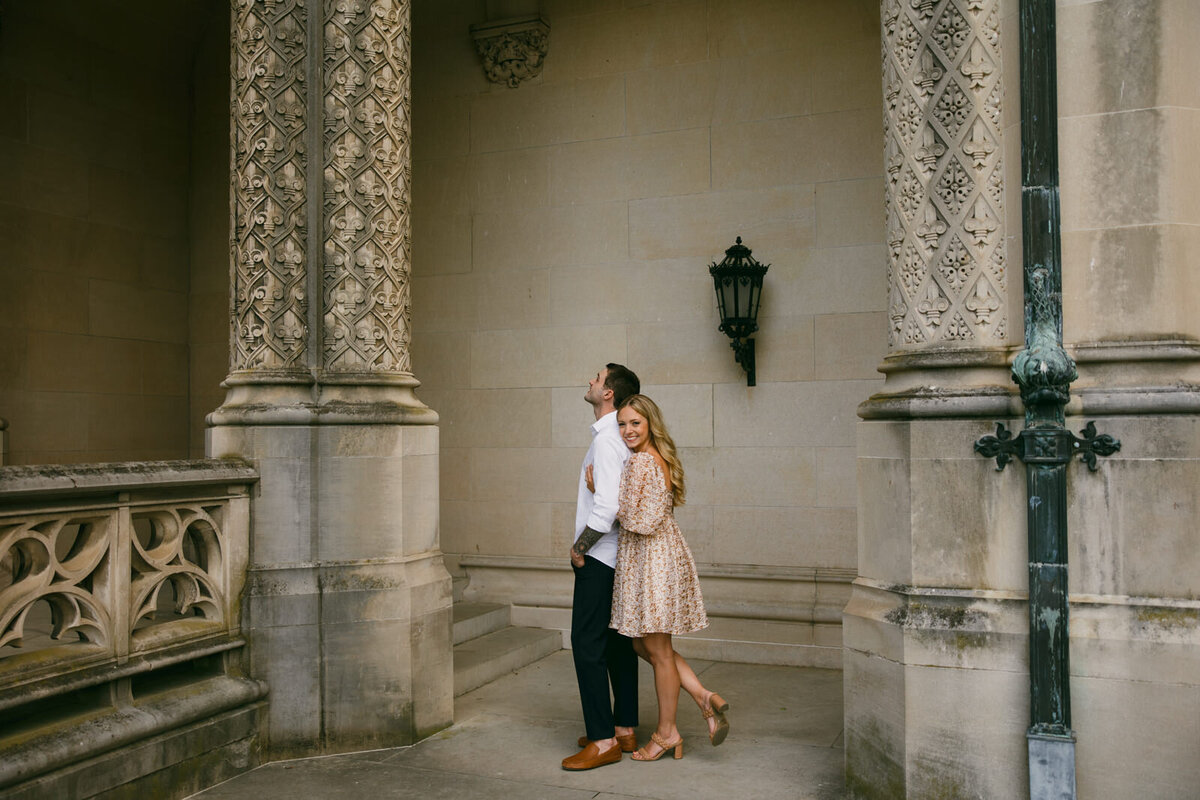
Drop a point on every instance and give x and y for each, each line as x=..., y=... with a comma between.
x=983, y=302
x=953, y=109
x=926, y=78
x=978, y=67
x=980, y=145
x=959, y=330
x=954, y=187
x=957, y=265
x=912, y=195
x=907, y=42
x=945, y=187
x=951, y=32
x=913, y=270
x=909, y=116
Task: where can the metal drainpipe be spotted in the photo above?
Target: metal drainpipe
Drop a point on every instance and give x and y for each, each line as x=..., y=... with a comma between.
x=1044, y=371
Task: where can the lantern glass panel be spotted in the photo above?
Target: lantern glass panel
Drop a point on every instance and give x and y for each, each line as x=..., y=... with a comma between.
x=754, y=295
x=729, y=298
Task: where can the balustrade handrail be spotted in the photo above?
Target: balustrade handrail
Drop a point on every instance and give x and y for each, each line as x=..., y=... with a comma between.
x=43, y=480
x=102, y=547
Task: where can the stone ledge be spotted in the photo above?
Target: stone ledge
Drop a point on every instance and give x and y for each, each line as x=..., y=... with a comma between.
x=30, y=682
x=24, y=482
x=29, y=755
x=171, y=765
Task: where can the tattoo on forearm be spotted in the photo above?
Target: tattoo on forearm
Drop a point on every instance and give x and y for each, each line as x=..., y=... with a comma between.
x=585, y=541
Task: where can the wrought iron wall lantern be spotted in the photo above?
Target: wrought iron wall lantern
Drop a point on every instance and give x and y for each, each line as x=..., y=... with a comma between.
x=738, y=282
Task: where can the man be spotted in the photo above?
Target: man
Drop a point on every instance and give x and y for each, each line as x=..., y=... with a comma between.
x=601, y=654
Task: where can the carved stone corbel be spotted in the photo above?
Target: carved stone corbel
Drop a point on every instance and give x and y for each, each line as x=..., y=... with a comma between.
x=512, y=50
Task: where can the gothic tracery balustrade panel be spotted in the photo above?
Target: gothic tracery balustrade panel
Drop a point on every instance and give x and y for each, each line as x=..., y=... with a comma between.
x=177, y=572
x=945, y=179
x=367, y=186
x=56, y=581
x=270, y=315
x=92, y=577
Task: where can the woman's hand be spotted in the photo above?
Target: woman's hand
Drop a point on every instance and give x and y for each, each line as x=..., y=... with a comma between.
x=587, y=479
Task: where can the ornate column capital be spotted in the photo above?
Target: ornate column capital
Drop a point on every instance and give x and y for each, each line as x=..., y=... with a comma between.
x=512, y=50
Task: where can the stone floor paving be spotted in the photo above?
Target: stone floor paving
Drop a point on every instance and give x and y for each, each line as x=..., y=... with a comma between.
x=511, y=735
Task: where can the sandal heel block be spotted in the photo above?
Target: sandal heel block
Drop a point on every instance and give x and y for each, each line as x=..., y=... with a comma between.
x=717, y=706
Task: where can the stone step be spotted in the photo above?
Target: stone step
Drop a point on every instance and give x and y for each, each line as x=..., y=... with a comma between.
x=486, y=658
x=472, y=620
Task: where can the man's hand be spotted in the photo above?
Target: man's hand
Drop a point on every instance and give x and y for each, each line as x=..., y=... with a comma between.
x=576, y=559
x=587, y=479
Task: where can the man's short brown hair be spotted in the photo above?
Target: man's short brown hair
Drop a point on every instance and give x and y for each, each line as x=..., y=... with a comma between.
x=622, y=381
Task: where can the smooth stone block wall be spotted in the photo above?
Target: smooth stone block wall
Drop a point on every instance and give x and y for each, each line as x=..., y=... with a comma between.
x=95, y=177
x=569, y=222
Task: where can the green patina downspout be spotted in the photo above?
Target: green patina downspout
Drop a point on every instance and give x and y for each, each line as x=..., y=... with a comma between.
x=1044, y=371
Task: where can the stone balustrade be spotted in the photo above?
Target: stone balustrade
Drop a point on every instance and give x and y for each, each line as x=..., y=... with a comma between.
x=120, y=607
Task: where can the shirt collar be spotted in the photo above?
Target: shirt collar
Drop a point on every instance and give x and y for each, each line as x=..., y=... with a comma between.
x=607, y=422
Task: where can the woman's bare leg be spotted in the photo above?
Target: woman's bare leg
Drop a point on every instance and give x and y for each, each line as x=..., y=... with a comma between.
x=687, y=679
x=692, y=685
x=661, y=656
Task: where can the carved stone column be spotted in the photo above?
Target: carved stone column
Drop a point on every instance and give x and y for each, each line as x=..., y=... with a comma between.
x=271, y=337
x=947, y=263
x=366, y=192
x=935, y=628
x=348, y=605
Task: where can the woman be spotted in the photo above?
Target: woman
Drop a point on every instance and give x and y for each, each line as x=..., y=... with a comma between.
x=656, y=592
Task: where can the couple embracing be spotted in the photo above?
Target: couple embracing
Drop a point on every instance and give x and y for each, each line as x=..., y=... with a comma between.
x=635, y=579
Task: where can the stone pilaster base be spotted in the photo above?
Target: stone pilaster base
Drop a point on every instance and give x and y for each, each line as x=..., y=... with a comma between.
x=936, y=630
x=348, y=602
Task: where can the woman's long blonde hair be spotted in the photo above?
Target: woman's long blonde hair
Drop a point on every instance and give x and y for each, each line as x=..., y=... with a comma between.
x=661, y=440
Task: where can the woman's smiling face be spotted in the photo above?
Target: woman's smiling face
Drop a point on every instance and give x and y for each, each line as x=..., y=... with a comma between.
x=635, y=431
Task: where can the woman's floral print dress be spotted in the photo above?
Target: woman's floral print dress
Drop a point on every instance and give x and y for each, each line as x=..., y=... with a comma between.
x=656, y=589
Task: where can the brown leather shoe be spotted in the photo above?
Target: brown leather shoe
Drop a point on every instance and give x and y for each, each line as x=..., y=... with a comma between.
x=590, y=757
x=627, y=741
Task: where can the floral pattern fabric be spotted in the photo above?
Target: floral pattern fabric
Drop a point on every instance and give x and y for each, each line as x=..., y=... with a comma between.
x=656, y=589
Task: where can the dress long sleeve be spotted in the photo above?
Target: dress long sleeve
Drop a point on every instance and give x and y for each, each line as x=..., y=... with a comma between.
x=645, y=506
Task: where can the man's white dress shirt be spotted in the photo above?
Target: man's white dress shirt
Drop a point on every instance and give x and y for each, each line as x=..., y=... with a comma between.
x=598, y=510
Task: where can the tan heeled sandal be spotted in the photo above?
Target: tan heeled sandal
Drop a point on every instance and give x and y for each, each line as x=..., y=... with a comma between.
x=716, y=708
x=643, y=755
